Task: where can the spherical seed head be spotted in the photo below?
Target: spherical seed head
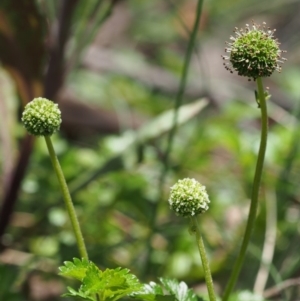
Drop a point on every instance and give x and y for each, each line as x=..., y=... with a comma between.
x=41, y=117
x=188, y=198
x=254, y=52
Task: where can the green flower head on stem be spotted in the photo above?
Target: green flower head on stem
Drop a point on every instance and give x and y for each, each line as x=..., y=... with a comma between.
x=41, y=117
x=253, y=52
x=188, y=198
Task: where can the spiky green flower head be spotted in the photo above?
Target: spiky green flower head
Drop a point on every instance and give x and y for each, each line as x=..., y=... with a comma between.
x=41, y=117
x=188, y=198
x=253, y=52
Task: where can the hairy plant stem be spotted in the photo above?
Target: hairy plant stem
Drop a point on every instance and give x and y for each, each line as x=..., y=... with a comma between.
x=67, y=199
x=205, y=263
x=255, y=190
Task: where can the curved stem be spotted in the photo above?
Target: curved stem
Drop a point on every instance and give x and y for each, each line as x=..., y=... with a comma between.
x=67, y=199
x=255, y=191
x=269, y=245
x=205, y=263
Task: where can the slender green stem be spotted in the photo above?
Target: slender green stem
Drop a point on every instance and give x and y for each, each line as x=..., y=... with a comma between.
x=207, y=273
x=67, y=199
x=255, y=191
x=182, y=85
x=172, y=132
x=268, y=249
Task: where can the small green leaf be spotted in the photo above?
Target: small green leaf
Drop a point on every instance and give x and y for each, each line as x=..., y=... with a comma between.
x=76, y=269
x=153, y=292
x=180, y=290
x=80, y=295
x=153, y=288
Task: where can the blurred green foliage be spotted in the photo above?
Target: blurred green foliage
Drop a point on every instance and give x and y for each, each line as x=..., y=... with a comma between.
x=115, y=188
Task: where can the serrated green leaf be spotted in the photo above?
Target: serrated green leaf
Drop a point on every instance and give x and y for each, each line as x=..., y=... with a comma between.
x=180, y=290
x=78, y=294
x=153, y=288
x=124, y=286
x=153, y=292
x=93, y=282
x=111, y=284
x=76, y=269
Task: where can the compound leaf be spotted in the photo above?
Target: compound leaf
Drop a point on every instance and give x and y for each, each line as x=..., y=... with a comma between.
x=76, y=269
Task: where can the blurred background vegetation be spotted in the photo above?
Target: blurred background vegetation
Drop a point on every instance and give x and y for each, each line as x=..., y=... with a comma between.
x=114, y=67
